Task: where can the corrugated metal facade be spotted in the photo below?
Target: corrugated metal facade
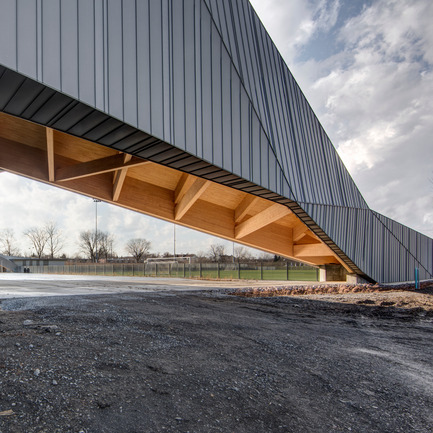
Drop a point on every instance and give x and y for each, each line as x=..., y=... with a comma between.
x=197, y=85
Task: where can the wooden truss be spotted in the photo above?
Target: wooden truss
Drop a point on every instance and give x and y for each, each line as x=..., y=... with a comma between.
x=81, y=166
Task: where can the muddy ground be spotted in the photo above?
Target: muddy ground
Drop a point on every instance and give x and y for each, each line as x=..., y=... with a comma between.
x=213, y=362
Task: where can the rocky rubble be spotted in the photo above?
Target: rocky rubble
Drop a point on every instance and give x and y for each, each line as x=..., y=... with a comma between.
x=320, y=289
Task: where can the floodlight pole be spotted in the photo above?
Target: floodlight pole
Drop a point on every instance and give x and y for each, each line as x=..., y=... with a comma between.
x=96, y=201
x=233, y=255
x=174, y=241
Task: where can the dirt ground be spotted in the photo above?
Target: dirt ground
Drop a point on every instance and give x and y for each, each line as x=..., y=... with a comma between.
x=399, y=296
x=213, y=362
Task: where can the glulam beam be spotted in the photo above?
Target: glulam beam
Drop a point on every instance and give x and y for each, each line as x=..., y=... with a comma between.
x=190, y=197
x=300, y=231
x=96, y=166
x=119, y=178
x=268, y=216
x=245, y=206
x=311, y=250
x=184, y=184
x=50, y=154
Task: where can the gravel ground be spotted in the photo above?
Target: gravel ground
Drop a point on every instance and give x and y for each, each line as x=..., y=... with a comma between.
x=210, y=362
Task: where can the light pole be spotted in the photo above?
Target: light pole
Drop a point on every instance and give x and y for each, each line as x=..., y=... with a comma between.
x=233, y=255
x=174, y=241
x=96, y=201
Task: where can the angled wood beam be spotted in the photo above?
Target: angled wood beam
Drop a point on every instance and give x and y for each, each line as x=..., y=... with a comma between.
x=191, y=196
x=96, y=166
x=244, y=207
x=50, y=154
x=119, y=178
x=183, y=186
x=268, y=216
x=299, y=232
x=311, y=250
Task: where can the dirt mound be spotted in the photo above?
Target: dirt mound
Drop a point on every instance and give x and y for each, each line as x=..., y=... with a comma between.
x=399, y=295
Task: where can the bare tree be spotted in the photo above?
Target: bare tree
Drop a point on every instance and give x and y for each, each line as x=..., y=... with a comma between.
x=38, y=237
x=8, y=243
x=217, y=252
x=105, y=245
x=201, y=257
x=242, y=254
x=138, y=248
x=54, y=239
x=266, y=257
x=87, y=244
x=96, y=245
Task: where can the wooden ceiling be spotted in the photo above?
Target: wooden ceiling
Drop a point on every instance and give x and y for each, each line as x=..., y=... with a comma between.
x=84, y=167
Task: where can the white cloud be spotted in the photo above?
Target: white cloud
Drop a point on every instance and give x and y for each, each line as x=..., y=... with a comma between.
x=374, y=100
x=292, y=24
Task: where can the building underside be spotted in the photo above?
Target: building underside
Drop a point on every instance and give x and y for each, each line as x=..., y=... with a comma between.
x=185, y=111
x=82, y=166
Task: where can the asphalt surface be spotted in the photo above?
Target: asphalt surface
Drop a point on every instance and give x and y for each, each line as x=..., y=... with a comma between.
x=37, y=285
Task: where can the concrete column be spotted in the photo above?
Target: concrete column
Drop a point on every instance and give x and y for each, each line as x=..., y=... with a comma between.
x=332, y=272
x=355, y=279
x=322, y=274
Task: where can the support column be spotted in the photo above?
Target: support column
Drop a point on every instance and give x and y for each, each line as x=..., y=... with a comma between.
x=332, y=273
x=322, y=274
x=355, y=279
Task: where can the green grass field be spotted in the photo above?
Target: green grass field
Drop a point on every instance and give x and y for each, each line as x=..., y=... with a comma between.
x=208, y=271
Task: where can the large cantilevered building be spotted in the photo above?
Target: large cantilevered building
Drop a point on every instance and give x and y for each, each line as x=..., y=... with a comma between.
x=185, y=110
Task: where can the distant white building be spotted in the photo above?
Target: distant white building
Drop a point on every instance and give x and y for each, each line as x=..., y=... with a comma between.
x=17, y=264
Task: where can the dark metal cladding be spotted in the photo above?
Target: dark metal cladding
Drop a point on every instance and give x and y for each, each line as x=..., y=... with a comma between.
x=199, y=86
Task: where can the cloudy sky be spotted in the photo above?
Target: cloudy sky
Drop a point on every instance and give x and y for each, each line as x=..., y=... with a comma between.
x=366, y=69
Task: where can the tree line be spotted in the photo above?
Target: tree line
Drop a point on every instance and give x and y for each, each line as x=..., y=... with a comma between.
x=48, y=242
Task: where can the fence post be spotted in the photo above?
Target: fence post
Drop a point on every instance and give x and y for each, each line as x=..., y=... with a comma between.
x=123, y=269
x=261, y=270
x=239, y=271
x=218, y=270
x=200, y=272
x=287, y=271
x=184, y=270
